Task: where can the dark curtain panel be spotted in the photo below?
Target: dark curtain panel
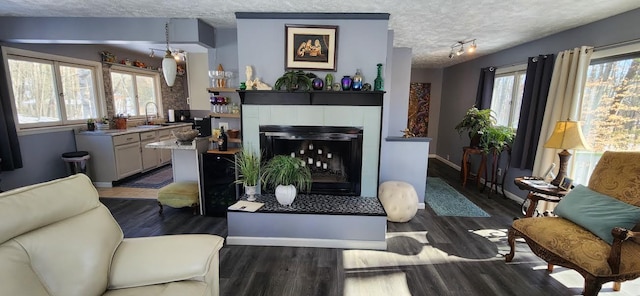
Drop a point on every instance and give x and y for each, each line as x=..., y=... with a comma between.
x=485, y=88
x=9, y=145
x=534, y=101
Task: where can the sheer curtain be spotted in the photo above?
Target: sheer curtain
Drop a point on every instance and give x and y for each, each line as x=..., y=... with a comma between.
x=564, y=100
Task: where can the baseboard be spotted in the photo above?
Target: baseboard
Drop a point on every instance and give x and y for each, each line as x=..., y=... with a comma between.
x=508, y=194
x=421, y=206
x=306, y=242
x=103, y=184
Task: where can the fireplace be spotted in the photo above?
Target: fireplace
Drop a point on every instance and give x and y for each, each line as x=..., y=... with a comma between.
x=334, y=154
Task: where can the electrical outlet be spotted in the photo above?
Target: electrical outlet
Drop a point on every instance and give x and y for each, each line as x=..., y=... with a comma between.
x=499, y=172
x=224, y=124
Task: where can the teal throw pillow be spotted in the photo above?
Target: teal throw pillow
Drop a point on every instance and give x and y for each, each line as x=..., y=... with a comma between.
x=597, y=212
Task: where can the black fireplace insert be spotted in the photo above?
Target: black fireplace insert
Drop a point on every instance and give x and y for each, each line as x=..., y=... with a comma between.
x=334, y=154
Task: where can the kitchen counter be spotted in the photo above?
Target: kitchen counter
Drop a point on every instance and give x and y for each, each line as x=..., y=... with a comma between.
x=197, y=144
x=136, y=129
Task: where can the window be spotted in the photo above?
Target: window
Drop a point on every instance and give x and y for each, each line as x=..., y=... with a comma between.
x=610, y=113
x=133, y=90
x=506, y=99
x=49, y=90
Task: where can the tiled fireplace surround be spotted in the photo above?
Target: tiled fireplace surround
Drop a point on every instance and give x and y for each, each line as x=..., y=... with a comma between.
x=367, y=117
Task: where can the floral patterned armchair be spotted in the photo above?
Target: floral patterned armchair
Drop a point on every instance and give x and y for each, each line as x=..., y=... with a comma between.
x=561, y=242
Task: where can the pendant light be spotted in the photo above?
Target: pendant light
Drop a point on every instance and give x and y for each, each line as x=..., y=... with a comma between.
x=169, y=65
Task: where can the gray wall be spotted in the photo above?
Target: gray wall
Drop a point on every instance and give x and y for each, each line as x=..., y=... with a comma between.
x=459, y=83
x=433, y=76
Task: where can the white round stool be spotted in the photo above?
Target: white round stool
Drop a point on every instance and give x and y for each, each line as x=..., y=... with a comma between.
x=399, y=200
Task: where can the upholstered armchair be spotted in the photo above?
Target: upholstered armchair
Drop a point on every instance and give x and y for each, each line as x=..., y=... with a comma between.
x=603, y=252
x=56, y=238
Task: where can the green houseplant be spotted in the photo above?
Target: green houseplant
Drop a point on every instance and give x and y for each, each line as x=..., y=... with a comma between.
x=286, y=174
x=497, y=137
x=248, y=165
x=475, y=122
x=293, y=80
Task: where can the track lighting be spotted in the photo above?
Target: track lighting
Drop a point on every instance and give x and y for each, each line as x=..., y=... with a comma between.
x=458, y=47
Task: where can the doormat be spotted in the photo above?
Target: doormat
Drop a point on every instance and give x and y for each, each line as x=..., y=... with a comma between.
x=155, y=179
x=446, y=201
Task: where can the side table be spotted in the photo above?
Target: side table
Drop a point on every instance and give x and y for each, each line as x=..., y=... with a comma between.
x=466, y=153
x=538, y=192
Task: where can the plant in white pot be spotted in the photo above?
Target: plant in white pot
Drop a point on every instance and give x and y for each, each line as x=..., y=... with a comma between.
x=287, y=174
x=248, y=165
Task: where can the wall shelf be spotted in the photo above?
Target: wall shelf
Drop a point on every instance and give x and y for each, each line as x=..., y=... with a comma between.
x=220, y=89
x=225, y=115
x=337, y=98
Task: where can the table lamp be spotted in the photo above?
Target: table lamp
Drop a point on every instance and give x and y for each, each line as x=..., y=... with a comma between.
x=566, y=135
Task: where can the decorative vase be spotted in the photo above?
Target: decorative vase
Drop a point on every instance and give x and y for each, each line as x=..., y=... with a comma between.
x=378, y=83
x=317, y=83
x=243, y=86
x=328, y=81
x=346, y=82
x=357, y=81
x=285, y=194
x=251, y=192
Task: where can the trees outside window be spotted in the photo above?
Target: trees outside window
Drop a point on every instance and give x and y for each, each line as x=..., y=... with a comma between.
x=506, y=99
x=51, y=91
x=132, y=91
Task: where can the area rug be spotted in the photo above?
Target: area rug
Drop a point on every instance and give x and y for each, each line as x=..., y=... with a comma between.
x=155, y=179
x=446, y=201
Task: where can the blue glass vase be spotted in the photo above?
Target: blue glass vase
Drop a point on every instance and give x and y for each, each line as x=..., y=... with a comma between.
x=346, y=82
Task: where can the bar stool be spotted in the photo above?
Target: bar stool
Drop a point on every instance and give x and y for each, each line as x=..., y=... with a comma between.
x=76, y=161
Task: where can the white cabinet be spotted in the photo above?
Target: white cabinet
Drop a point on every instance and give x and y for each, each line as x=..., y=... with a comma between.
x=150, y=156
x=128, y=159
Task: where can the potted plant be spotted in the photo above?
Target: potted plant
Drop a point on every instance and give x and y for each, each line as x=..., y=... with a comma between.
x=248, y=165
x=475, y=122
x=497, y=137
x=293, y=80
x=91, y=124
x=287, y=174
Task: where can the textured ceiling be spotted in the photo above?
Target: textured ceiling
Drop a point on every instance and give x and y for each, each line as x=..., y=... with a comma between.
x=428, y=27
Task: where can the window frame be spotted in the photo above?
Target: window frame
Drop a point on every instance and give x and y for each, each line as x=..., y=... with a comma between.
x=56, y=61
x=139, y=72
x=514, y=70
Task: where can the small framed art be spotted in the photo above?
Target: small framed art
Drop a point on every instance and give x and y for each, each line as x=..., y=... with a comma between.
x=565, y=183
x=311, y=47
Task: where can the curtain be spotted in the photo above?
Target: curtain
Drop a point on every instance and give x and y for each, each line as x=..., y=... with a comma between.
x=9, y=145
x=485, y=88
x=534, y=100
x=564, y=100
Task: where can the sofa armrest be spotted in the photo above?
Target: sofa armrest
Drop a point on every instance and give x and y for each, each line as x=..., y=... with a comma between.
x=163, y=259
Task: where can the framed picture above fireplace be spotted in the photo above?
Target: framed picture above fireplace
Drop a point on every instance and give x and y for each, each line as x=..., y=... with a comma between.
x=311, y=47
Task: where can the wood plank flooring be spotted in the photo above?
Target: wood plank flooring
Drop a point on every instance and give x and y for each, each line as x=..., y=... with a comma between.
x=430, y=255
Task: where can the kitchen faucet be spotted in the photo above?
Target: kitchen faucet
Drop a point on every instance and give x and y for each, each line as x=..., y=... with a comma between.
x=146, y=115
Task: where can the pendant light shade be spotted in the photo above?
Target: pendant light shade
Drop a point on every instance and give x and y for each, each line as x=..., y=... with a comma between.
x=169, y=65
x=169, y=68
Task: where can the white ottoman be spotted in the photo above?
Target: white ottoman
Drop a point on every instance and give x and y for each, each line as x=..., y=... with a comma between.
x=399, y=200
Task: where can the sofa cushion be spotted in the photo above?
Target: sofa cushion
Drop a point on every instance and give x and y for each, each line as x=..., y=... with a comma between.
x=576, y=244
x=597, y=212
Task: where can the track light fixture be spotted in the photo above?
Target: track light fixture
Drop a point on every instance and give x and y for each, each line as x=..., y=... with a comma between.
x=458, y=48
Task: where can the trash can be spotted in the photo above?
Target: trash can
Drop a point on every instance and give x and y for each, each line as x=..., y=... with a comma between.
x=76, y=161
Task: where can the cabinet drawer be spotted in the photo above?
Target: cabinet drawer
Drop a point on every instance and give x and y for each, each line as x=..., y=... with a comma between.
x=125, y=139
x=164, y=133
x=147, y=136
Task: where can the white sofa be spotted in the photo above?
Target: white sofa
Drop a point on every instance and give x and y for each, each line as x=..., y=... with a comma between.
x=56, y=238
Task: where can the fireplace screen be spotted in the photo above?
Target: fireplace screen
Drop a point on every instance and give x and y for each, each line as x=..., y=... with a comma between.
x=334, y=154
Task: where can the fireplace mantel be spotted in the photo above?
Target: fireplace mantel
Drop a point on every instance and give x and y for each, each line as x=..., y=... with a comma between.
x=335, y=98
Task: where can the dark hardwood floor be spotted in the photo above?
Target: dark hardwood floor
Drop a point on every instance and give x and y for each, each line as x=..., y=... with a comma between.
x=430, y=255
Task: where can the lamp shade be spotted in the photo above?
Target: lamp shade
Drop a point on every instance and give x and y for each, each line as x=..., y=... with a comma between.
x=169, y=68
x=567, y=135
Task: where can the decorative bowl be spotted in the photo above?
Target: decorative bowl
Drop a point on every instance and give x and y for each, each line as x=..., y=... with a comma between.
x=233, y=133
x=185, y=136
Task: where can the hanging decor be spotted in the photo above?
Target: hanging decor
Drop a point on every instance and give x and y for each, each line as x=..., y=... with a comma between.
x=169, y=65
x=418, y=117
